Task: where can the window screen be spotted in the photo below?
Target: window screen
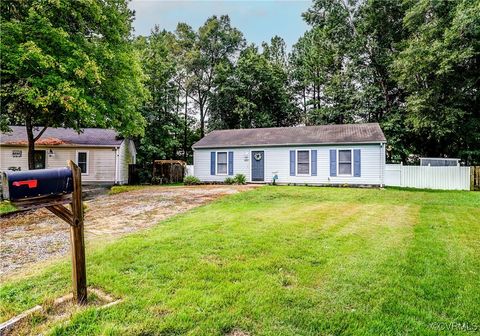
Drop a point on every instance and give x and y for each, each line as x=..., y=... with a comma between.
x=82, y=161
x=222, y=163
x=303, y=158
x=345, y=162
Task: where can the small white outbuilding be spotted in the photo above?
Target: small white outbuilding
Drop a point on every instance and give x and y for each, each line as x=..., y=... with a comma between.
x=352, y=154
x=101, y=154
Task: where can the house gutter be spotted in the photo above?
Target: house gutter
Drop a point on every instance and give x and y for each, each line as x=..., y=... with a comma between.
x=293, y=144
x=116, y=165
x=57, y=146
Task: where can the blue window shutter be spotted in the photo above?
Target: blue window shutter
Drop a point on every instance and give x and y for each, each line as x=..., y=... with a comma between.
x=292, y=163
x=230, y=163
x=333, y=162
x=356, y=163
x=314, y=162
x=212, y=163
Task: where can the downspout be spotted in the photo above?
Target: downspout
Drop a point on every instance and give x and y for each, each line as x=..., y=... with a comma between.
x=382, y=164
x=116, y=165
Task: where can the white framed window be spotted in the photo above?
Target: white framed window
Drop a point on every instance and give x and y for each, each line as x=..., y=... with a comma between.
x=222, y=163
x=345, y=162
x=303, y=162
x=82, y=161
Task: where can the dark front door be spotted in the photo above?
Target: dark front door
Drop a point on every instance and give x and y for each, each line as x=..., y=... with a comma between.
x=258, y=166
x=39, y=159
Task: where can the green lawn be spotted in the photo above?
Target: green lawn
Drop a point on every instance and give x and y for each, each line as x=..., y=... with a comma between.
x=286, y=261
x=6, y=207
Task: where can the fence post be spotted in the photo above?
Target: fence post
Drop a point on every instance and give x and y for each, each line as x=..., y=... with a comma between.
x=472, y=178
x=77, y=238
x=401, y=174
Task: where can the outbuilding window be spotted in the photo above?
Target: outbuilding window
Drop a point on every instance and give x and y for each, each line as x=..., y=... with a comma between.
x=82, y=161
x=303, y=162
x=345, y=162
x=222, y=163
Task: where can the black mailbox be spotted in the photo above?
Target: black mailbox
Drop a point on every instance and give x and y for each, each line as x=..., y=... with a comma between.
x=18, y=185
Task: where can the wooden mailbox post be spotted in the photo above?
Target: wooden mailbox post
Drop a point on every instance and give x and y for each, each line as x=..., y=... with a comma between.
x=69, y=192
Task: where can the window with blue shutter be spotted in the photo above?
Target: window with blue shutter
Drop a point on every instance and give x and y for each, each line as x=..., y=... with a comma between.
x=314, y=162
x=212, y=163
x=333, y=162
x=292, y=163
x=356, y=163
x=230, y=163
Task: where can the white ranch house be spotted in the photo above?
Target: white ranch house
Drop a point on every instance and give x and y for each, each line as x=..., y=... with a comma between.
x=316, y=155
x=101, y=154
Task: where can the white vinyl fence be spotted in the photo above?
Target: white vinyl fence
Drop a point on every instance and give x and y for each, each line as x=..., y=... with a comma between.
x=189, y=171
x=446, y=178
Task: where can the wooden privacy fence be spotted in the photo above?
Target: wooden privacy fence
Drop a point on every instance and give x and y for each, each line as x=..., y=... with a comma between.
x=446, y=178
x=168, y=171
x=133, y=174
x=475, y=178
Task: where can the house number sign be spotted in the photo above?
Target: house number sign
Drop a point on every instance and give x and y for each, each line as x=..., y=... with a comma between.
x=16, y=153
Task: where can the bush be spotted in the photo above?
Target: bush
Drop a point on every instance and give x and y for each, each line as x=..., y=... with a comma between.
x=157, y=180
x=191, y=180
x=240, y=179
x=229, y=180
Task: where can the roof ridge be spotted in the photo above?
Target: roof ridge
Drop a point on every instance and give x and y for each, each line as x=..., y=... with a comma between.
x=292, y=127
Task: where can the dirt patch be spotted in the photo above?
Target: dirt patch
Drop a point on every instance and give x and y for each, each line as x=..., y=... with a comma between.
x=31, y=237
x=38, y=319
x=237, y=332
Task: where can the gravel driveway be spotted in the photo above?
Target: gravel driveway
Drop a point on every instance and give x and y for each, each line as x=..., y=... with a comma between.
x=27, y=238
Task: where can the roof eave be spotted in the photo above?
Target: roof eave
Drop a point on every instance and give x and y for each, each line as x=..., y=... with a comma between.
x=62, y=145
x=294, y=144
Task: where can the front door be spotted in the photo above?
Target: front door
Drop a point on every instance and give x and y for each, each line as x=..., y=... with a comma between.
x=39, y=159
x=258, y=166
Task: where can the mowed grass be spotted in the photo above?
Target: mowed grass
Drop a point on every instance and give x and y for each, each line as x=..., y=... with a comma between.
x=286, y=261
x=6, y=207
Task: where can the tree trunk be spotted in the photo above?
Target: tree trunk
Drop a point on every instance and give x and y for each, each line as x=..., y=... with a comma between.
x=185, y=128
x=202, y=121
x=305, y=105
x=314, y=97
x=31, y=141
x=31, y=144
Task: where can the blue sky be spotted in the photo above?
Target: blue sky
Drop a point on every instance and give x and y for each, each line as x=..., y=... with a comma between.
x=258, y=20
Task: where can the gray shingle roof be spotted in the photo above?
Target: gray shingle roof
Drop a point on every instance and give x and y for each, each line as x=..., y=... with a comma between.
x=63, y=136
x=303, y=135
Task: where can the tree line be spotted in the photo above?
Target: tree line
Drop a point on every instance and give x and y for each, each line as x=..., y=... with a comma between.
x=412, y=66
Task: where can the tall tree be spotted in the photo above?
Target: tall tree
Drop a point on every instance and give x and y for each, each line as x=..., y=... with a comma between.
x=253, y=93
x=327, y=55
x=184, y=51
x=379, y=26
x=439, y=67
x=71, y=64
x=215, y=44
x=276, y=51
x=164, y=125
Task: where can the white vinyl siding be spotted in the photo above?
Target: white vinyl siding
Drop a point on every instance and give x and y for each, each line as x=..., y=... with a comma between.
x=277, y=162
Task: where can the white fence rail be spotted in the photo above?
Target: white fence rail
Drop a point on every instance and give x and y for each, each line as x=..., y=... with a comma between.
x=446, y=178
x=189, y=171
